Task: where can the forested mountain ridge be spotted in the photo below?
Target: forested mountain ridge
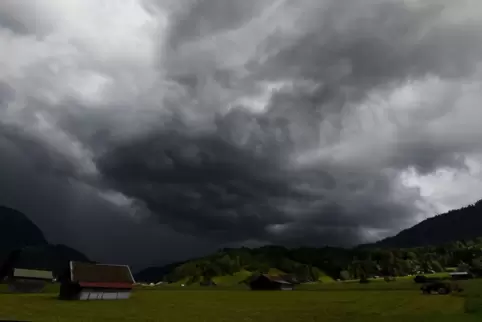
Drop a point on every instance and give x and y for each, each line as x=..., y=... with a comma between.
x=447, y=240
x=460, y=224
x=313, y=264
x=23, y=245
x=17, y=231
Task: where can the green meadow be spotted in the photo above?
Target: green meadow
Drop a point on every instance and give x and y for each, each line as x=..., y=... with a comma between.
x=344, y=301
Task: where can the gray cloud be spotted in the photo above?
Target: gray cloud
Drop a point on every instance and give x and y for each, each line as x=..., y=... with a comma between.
x=232, y=123
x=203, y=18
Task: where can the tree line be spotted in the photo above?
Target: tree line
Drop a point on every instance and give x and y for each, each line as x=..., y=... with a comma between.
x=309, y=264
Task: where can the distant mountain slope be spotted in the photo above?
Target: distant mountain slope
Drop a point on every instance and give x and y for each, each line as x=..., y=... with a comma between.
x=455, y=233
x=17, y=231
x=460, y=224
x=23, y=245
x=230, y=266
x=54, y=258
x=155, y=274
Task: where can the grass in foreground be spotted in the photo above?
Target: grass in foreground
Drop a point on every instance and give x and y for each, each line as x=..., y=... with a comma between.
x=239, y=305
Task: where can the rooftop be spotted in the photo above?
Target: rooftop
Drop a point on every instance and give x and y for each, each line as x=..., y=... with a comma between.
x=459, y=273
x=276, y=279
x=32, y=273
x=100, y=273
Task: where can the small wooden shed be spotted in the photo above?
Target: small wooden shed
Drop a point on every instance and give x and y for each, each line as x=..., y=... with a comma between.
x=28, y=280
x=267, y=282
x=89, y=281
x=207, y=282
x=461, y=275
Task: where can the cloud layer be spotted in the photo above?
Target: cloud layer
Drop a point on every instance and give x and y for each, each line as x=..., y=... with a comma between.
x=207, y=123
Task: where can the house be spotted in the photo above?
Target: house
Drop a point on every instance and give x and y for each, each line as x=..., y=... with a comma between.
x=28, y=280
x=267, y=282
x=89, y=281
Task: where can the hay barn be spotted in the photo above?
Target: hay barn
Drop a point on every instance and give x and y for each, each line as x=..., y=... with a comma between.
x=28, y=280
x=207, y=282
x=461, y=275
x=267, y=282
x=88, y=281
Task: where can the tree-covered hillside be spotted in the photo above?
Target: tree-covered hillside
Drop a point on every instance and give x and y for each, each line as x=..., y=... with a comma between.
x=446, y=240
x=312, y=264
x=459, y=224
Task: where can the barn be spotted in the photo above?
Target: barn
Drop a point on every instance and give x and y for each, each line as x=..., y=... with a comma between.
x=267, y=282
x=461, y=275
x=89, y=281
x=207, y=282
x=28, y=280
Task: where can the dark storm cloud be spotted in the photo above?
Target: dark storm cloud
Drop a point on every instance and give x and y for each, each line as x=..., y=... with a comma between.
x=46, y=186
x=384, y=42
x=193, y=139
x=200, y=183
x=210, y=185
x=10, y=17
x=24, y=18
x=206, y=17
x=213, y=185
x=7, y=94
x=383, y=46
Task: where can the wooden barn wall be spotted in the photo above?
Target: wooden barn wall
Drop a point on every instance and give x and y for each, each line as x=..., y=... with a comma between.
x=101, y=295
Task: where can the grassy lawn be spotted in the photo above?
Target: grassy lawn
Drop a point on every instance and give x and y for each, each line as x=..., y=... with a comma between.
x=231, y=280
x=353, y=302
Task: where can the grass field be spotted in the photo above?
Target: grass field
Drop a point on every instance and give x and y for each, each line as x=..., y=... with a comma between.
x=396, y=301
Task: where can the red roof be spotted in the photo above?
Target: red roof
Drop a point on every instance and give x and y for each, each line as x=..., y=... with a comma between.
x=101, y=275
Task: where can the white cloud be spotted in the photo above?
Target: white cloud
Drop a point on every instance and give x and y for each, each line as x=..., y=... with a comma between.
x=448, y=189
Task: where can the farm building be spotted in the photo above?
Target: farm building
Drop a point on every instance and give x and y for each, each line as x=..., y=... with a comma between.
x=207, y=282
x=267, y=282
x=88, y=281
x=28, y=280
x=461, y=275
x=290, y=279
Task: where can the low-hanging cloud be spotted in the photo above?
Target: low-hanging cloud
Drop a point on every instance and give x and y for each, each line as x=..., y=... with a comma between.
x=224, y=122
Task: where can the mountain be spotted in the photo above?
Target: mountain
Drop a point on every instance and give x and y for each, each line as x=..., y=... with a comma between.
x=229, y=267
x=155, y=274
x=457, y=235
x=234, y=265
x=53, y=258
x=460, y=224
x=17, y=231
x=23, y=245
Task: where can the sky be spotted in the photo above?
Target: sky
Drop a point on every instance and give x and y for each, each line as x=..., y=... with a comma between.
x=149, y=131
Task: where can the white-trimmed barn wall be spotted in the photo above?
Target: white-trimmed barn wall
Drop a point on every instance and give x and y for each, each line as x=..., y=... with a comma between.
x=88, y=294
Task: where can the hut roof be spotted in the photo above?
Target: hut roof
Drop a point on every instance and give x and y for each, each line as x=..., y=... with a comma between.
x=101, y=275
x=276, y=279
x=32, y=273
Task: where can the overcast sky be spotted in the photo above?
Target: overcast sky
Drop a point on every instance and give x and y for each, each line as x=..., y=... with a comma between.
x=151, y=131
